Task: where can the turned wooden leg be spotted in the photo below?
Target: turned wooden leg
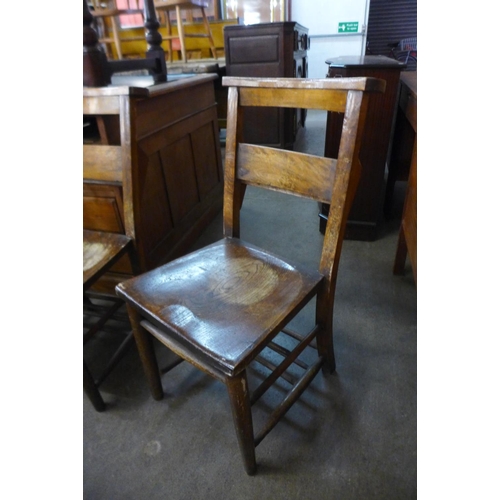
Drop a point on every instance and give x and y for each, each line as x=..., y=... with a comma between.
x=91, y=390
x=147, y=354
x=242, y=417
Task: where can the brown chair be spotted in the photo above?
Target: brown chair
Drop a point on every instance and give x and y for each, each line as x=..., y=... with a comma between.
x=166, y=6
x=220, y=307
x=100, y=252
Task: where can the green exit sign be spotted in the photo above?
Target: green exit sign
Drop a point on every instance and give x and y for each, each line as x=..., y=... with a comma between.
x=348, y=27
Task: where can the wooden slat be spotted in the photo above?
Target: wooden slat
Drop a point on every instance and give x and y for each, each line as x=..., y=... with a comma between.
x=291, y=397
x=292, y=172
x=103, y=163
x=109, y=105
x=366, y=84
x=292, y=357
x=271, y=366
x=285, y=352
x=291, y=98
x=298, y=337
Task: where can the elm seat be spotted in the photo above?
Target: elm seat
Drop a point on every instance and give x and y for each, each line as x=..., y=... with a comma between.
x=222, y=306
x=246, y=294
x=101, y=251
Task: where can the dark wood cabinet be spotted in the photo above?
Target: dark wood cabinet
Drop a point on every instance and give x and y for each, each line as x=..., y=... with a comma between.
x=269, y=50
x=365, y=215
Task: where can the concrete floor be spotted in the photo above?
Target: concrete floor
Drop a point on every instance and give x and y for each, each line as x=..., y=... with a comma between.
x=352, y=435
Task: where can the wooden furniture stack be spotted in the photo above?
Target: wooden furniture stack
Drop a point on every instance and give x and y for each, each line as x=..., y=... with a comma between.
x=269, y=50
x=154, y=170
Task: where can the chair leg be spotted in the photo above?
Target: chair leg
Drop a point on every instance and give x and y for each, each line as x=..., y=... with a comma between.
x=239, y=397
x=325, y=348
x=324, y=340
x=209, y=33
x=180, y=29
x=169, y=34
x=91, y=390
x=401, y=252
x=116, y=38
x=147, y=354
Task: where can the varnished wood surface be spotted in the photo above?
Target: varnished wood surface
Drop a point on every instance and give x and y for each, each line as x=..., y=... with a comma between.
x=407, y=242
x=290, y=175
x=220, y=307
x=267, y=50
x=223, y=301
x=100, y=251
x=366, y=212
x=160, y=182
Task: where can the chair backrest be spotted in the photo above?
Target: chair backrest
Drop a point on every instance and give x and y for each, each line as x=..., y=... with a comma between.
x=332, y=181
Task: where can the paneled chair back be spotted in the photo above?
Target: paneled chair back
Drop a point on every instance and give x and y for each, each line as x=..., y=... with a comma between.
x=222, y=306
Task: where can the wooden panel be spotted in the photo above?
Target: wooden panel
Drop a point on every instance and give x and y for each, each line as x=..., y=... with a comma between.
x=267, y=50
x=205, y=151
x=292, y=99
x=254, y=49
x=160, y=127
x=173, y=132
x=102, y=163
x=292, y=172
x=108, y=105
x=164, y=110
x=155, y=216
x=180, y=177
x=102, y=208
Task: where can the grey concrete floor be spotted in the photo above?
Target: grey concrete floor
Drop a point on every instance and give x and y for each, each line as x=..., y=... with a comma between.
x=352, y=435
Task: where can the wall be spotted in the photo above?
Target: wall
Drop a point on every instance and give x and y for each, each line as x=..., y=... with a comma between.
x=323, y=22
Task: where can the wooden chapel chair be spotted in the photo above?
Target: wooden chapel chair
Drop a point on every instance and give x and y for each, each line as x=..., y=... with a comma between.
x=101, y=250
x=220, y=307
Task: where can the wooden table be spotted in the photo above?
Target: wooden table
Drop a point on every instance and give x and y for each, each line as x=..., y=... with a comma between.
x=153, y=171
x=407, y=243
x=365, y=215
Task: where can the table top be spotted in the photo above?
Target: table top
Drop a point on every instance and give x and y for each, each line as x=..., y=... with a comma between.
x=365, y=62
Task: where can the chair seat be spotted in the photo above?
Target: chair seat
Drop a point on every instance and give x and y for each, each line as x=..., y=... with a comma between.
x=235, y=296
x=100, y=251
